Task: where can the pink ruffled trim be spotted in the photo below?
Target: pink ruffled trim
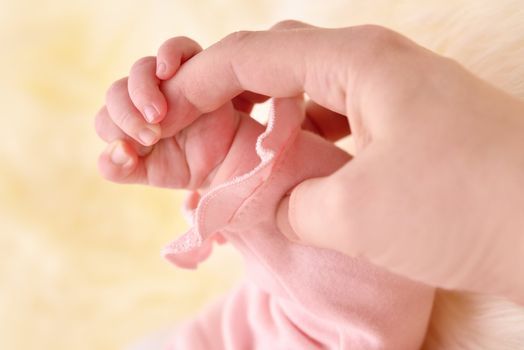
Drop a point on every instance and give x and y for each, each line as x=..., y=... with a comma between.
x=215, y=209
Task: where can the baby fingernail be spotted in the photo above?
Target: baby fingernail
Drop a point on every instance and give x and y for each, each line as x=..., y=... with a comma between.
x=119, y=156
x=160, y=68
x=143, y=151
x=150, y=113
x=149, y=135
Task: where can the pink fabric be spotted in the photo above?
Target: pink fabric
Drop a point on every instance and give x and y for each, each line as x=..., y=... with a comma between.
x=294, y=296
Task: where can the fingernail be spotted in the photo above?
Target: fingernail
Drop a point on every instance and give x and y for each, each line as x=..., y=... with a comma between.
x=143, y=151
x=150, y=113
x=149, y=135
x=119, y=156
x=160, y=68
x=283, y=223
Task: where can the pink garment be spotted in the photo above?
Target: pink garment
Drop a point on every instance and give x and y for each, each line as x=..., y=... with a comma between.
x=294, y=296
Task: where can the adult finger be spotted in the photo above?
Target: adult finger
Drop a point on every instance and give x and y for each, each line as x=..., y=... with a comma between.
x=246, y=100
x=365, y=203
x=144, y=91
x=322, y=121
x=336, y=198
x=330, y=125
x=127, y=117
x=377, y=207
x=327, y=64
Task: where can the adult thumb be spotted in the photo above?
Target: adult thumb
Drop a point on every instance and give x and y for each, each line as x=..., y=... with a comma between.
x=359, y=210
x=375, y=207
x=328, y=212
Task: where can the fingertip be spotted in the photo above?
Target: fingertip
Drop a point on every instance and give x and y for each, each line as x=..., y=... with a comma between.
x=172, y=54
x=162, y=71
x=167, y=62
x=151, y=113
x=149, y=135
x=154, y=109
x=166, y=67
x=144, y=91
x=143, y=151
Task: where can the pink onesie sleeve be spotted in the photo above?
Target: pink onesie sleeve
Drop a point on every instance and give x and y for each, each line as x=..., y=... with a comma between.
x=293, y=296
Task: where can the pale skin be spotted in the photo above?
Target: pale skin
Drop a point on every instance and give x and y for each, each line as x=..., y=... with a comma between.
x=435, y=191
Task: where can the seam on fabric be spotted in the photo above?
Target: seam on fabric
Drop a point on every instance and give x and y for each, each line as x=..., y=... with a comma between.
x=278, y=164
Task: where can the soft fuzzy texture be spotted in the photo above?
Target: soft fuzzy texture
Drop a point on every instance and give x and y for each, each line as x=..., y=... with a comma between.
x=79, y=255
x=471, y=322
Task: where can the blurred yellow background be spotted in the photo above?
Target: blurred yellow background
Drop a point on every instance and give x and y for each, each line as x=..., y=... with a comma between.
x=79, y=257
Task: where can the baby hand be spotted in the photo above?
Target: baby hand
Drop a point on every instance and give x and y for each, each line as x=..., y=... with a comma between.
x=148, y=143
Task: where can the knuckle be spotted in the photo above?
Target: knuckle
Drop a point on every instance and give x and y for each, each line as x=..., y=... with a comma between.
x=116, y=88
x=168, y=47
x=380, y=40
x=142, y=62
x=183, y=40
x=139, y=95
x=172, y=49
x=191, y=43
x=383, y=56
x=237, y=38
x=170, y=43
x=288, y=24
x=173, y=42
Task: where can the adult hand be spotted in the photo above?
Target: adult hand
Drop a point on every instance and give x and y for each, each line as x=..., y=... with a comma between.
x=436, y=189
